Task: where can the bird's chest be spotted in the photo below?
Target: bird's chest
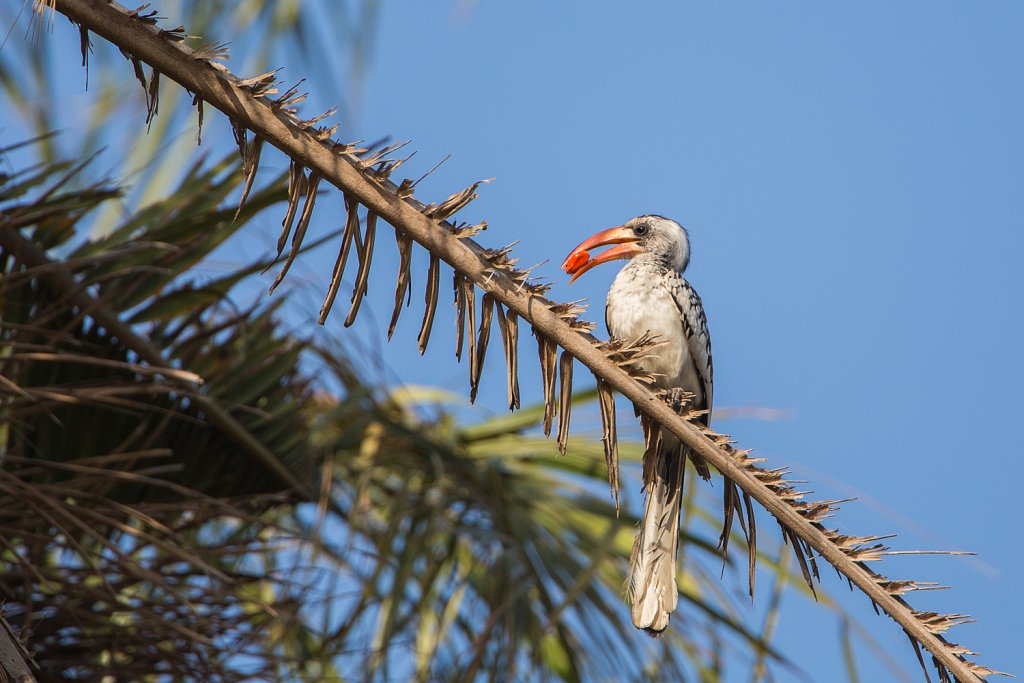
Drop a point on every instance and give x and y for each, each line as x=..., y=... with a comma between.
x=639, y=303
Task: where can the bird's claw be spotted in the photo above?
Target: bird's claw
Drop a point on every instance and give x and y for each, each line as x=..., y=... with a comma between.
x=677, y=398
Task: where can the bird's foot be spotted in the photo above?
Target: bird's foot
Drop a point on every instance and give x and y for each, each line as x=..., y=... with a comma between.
x=678, y=399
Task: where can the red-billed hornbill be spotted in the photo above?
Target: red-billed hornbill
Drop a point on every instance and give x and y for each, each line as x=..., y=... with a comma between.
x=650, y=296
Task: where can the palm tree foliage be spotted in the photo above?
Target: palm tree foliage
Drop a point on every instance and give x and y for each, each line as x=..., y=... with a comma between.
x=112, y=469
x=141, y=537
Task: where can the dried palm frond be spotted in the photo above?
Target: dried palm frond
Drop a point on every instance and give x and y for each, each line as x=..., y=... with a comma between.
x=350, y=234
x=250, y=165
x=296, y=187
x=154, y=97
x=459, y=287
x=339, y=164
x=477, y=359
x=430, y=297
x=468, y=302
x=403, y=287
x=300, y=229
x=548, y=356
x=365, y=254
x=455, y=203
x=508, y=326
x=564, y=399
x=611, y=441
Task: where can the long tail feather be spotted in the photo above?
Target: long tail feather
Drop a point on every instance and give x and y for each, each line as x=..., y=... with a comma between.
x=652, y=585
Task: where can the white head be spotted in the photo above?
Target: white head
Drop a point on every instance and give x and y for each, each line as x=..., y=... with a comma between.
x=663, y=240
x=649, y=238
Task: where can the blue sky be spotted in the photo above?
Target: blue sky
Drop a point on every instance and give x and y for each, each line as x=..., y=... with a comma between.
x=852, y=176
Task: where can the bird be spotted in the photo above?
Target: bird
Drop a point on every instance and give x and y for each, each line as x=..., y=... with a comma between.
x=650, y=296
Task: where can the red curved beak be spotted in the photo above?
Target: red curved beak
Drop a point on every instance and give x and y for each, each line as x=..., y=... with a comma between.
x=578, y=261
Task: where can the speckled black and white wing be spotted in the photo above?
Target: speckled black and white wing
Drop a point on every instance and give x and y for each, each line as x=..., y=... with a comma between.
x=695, y=331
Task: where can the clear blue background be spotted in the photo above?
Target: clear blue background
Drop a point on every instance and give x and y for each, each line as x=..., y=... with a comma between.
x=852, y=176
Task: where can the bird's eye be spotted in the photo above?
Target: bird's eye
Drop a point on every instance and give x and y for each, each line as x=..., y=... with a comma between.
x=641, y=230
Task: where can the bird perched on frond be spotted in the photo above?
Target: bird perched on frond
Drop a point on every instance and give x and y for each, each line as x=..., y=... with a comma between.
x=651, y=296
